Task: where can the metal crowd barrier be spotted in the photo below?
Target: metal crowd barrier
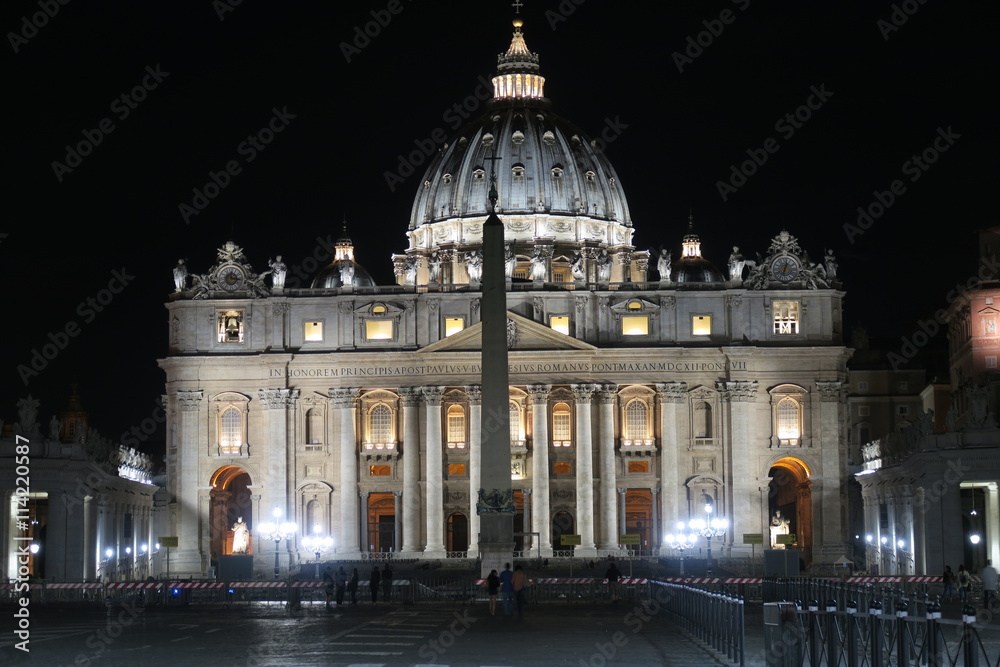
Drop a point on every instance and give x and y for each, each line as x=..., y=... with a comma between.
x=717, y=619
x=822, y=634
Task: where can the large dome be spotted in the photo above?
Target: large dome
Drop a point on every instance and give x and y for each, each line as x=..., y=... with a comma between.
x=551, y=179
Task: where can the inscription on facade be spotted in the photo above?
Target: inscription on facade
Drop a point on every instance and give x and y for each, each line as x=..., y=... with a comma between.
x=336, y=371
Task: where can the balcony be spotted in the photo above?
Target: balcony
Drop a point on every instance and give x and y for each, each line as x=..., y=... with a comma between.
x=635, y=447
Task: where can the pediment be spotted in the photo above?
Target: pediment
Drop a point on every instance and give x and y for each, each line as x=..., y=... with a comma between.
x=528, y=335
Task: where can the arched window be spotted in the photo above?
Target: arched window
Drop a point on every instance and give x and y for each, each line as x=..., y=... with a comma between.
x=231, y=431
x=636, y=422
x=456, y=427
x=516, y=436
x=380, y=424
x=789, y=421
x=561, y=433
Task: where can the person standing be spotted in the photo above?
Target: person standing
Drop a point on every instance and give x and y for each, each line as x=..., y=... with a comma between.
x=492, y=586
x=989, y=575
x=964, y=583
x=507, y=588
x=613, y=575
x=387, y=583
x=949, y=584
x=328, y=585
x=352, y=587
x=341, y=584
x=374, y=584
x=519, y=582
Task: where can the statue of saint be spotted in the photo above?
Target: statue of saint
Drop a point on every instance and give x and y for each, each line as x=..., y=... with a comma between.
x=410, y=270
x=537, y=264
x=474, y=265
x=830, y=264
x=577, y=268
x=663, y=265
x=346, y=272
x=779, y=526
x=604, y=266
x=241, y=537
x=180, y=276
x=434, y=267
x=509, y=261
x=736, y=264
x=278, y=272
x=54, y=428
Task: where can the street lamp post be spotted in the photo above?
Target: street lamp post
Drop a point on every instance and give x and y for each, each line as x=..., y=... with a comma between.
x=682, y=540
x=277, y=531
x=708, y=528
x=317, y=543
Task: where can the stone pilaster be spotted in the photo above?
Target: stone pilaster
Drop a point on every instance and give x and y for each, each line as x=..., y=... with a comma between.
x=671, y=397
x=344, y=401
x=584, y=443
x=187, y=559
x=433, y=473
x=740, y=397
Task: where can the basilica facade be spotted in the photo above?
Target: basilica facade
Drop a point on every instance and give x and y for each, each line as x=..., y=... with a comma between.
x=643, y=389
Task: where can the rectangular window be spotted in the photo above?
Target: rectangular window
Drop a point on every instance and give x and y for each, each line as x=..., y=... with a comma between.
x=379, y=471
x=230, y=324
x=560, y=323
x=452, y=325
x=903, y=410
x=701, y=325
x=633, y=325
x=378, y=329
x=862, y=385
x=456, y=469
x=638, y=466
x=786, y=317
x=314, y=332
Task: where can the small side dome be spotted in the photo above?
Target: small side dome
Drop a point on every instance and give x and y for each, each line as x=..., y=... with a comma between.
x=343, y=270
x=692, y=267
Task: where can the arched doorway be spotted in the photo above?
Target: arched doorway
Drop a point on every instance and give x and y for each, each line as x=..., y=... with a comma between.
x=230, y=500
x=562, y=524
x=458, y=532
x=789, y=506
x=381, y=522
x=638, y=518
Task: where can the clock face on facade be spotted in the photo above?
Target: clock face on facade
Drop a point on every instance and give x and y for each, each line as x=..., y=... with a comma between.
x=231, y=278
x=785, y=269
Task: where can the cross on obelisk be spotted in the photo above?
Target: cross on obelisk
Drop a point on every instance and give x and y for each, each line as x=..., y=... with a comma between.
x=495, y=505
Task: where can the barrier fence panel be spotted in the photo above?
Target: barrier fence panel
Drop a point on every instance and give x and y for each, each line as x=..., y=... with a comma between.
x=715, y=618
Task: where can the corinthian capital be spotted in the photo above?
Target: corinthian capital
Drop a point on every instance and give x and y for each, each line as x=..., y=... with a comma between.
x=343, y=397
x=671, y=392
x=189, y=401
x=738, y=391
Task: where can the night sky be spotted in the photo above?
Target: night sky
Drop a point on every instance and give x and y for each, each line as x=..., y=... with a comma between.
x=680, y=113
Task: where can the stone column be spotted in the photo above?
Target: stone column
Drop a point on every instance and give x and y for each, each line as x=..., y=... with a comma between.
x=992, y=523
x=409, y=398
x=671, y=396
x=364, y=535
x=397, y=524
x=529, y=540
x=187, y=558
x=606, y=443
x=741, y=510
x=344, y=401
x=538, y=396
x=584, y=442
x=475, y=394
x=434, y=473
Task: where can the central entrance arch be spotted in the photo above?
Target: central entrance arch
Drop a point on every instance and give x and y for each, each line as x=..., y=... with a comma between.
x=789, y=504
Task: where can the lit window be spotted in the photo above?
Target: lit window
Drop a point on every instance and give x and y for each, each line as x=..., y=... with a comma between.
x=231, y=326
x=380, y=424
x=635, y=326
x=515, y=424
x=231, y=432
x=314, y=331
x=452, y=325
x=560, y=323
x=634, y=305
x=378, y=329
x=701, y=325
x=456, y=470
x=636, y=423
x=786, y=317
x=561, y=434
x=788, y=421
x=456, y=427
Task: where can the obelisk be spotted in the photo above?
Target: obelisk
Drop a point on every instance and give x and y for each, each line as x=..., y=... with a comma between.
x=495, y=505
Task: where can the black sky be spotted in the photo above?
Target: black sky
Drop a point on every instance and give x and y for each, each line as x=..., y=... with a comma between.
x=606, y=64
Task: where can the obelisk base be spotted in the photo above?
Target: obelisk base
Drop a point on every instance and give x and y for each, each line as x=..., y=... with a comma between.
x=496, y=545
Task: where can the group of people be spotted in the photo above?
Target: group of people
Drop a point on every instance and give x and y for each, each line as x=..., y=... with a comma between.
x=337, y=584
x=514, y=586
x=963, y=580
